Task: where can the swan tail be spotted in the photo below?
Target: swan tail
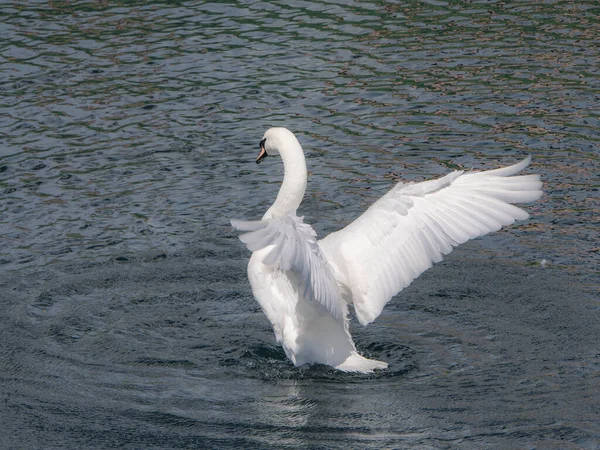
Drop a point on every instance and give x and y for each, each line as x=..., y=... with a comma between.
x=358, y=363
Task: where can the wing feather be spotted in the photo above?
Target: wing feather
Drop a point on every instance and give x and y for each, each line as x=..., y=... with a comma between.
x=294, y=249
x=403, y=233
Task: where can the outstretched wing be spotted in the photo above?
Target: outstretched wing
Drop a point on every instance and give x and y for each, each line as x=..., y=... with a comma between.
x=294, y=248
x=403, y=233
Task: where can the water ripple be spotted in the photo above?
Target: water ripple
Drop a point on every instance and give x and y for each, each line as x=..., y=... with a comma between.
x=127, y=138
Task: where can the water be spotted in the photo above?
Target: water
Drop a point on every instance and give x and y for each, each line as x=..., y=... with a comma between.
x=128, y=133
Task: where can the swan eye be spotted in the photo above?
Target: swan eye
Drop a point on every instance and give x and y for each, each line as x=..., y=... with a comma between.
x=262, y=144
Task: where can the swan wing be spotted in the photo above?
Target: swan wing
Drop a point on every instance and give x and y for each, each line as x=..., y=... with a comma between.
x=412, y=226
x=294, y=248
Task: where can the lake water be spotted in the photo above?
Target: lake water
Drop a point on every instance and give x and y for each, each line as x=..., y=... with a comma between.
x=128, y=133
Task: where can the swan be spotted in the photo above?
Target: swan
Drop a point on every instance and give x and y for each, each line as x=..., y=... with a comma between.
x=305, y=286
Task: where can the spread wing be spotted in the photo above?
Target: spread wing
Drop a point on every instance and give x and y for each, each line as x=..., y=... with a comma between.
x=403, y=233
x=294, y=248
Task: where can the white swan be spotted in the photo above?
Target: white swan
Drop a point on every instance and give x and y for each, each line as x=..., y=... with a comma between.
x=304, y=286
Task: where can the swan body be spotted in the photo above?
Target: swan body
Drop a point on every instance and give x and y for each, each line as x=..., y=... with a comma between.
x=304, y=286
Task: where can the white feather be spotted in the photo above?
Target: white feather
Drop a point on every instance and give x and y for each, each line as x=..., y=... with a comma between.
x=293, y=247
x=304, y=285
x=444, y=213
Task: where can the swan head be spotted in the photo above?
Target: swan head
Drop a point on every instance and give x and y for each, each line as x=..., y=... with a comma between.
x=274, y=141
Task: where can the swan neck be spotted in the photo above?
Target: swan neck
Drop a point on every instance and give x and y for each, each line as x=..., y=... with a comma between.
x=293, y=187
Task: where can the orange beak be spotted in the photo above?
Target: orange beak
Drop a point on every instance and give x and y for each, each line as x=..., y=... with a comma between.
x=262, y=155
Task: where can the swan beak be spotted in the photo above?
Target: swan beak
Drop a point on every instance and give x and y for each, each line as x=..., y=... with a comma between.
x=262, y=155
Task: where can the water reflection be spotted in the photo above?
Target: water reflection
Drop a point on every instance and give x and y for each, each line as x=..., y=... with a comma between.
x=314, y=413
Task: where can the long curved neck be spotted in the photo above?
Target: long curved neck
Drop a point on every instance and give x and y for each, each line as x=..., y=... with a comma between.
x=294, y=181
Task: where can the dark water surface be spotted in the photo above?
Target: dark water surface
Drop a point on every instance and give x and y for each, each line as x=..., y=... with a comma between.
x=128, y=132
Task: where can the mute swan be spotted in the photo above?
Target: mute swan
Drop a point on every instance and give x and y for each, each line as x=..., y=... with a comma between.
x=304, y=286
